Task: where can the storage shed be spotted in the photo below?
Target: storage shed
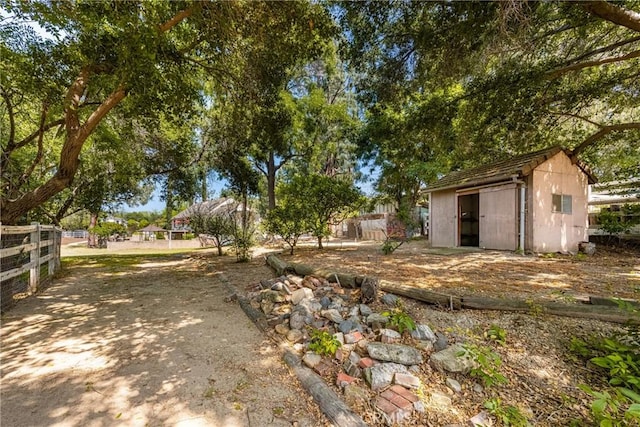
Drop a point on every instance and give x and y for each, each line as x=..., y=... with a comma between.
x=535, y=201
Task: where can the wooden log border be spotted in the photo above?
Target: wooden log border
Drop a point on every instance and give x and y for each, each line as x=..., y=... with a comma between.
x=598, y=308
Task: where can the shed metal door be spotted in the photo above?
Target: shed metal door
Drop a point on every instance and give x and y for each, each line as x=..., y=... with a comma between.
x=498, y=217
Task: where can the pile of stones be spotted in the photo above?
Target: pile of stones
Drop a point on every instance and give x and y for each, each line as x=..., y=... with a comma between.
x=373, y=358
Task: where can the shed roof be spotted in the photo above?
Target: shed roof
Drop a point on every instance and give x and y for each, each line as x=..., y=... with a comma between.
x=502, y=170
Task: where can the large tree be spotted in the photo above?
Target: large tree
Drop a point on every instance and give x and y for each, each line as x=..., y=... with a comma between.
x=476, y=80
x=145, y=58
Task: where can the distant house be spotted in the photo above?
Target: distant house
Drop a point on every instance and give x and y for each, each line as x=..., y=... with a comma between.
x=613, y=196
x=220, y=206
x=380, y=223
x=116, y=220
x=535, y=201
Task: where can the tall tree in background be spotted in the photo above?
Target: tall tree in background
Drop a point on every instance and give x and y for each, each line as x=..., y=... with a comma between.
x=480, y=80
x=142, y=57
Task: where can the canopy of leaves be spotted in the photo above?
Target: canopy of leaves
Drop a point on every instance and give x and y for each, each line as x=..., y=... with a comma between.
x=473, y=81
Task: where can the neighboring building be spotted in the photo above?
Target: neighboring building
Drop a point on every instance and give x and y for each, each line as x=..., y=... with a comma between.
x=116, y=220
x=380, y=223
x=220, y=206
x=612, y=197
x=536, y=202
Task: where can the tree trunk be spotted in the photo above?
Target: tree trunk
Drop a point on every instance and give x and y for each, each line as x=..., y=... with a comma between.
x=320, y=242
x=169, y=205
x=76, y=134
x=271, y=181
x=93, y=222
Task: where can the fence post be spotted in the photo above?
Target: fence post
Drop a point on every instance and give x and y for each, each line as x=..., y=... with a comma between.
x=51, y=250
x=58, y=249
x=34, y=275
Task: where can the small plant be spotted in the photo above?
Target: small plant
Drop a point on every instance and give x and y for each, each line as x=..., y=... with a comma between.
x=323, y=343
x=497, y=334
x=487, y=364
x=580, y=256
x=619, y=404
x=615, y=407
x=535, y=309
x=400, y=320
x=508, y=415
x=390, y=245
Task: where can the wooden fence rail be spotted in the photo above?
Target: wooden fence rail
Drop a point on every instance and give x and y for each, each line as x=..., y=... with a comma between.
x=29, y=256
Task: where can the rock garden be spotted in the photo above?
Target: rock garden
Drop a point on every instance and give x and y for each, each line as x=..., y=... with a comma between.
x=394, y=360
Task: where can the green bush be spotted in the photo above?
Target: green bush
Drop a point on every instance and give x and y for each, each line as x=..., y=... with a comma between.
x=323, y=343
x=508, y=415
x=619, y=359
x=400, y=320
x=487, y=364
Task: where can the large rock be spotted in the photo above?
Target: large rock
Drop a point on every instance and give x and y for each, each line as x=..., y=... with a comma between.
x=365, y=310
x=332, y=314
x=396, y=353
x=298, y=319
x=355, y=396
x=389, y=299
x=424, y=333
x=377, y=318
x=381, y=375
x=451, y=360
x=369, y=290
x=300, y=294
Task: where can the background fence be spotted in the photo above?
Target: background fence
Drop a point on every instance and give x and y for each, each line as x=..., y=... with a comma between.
x=29, y=256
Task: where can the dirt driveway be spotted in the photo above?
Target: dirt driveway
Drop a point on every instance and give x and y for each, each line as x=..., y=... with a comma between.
x=143, y=341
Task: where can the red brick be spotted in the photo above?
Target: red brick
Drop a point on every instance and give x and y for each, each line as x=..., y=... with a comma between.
x=404, y=393
x=385, y=406
x=388, y=394
x=323, y=368
x=344, y=379
x=366, y=362
x=353, y=337
x=401, y=402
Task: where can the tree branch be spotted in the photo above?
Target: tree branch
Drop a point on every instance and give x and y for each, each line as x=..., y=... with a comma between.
x=601, y=134
x=176, y=19
x=35, y=134
x=38, y=158
x=576, y=116
x=12, y=122
x=613, y=13
x=604, y=49
x=554, y=74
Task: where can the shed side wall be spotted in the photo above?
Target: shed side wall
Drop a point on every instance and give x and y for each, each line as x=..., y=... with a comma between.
x=554, y=231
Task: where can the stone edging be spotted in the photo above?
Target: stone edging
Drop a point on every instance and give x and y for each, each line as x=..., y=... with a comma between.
x=331, y=405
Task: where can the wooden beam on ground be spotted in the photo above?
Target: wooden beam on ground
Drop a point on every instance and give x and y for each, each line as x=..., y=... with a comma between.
x=587, y=311
x=345, y=280
x=330, y=403
x=449, y=301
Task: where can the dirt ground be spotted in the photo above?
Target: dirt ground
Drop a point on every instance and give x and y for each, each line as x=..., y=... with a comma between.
x=461, y=271
x=143, y=340
x=149, y=339
x=543, y=375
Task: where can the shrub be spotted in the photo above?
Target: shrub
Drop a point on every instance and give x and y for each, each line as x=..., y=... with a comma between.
x=323, y=343
x=400, y=320
x=487, y=364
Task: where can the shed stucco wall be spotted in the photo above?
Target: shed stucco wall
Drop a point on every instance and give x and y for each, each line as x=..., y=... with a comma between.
x=553, y=231
x=443, y=221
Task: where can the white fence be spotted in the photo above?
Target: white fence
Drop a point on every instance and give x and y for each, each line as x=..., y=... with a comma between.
x=29, y=256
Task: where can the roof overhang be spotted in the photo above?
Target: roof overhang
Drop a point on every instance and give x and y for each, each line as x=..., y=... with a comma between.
x=494, y=180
